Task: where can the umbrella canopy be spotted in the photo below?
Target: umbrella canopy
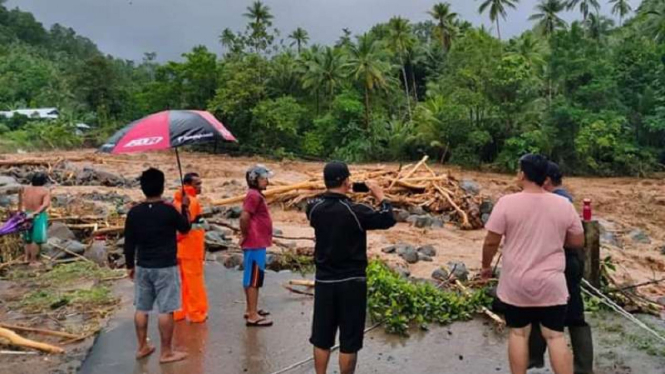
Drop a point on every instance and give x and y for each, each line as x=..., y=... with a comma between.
x=168, y=129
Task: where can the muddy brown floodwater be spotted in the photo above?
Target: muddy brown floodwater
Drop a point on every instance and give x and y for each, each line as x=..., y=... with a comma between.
x=224, y=345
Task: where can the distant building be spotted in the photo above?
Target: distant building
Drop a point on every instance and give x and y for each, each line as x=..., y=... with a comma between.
x=38, y=113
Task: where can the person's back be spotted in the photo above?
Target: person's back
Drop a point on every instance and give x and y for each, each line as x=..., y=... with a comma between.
x=33, y=197
x=341, y=238
x=535, y=227
x=153, y=227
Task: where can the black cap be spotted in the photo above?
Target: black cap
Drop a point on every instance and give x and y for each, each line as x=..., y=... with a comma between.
x=335, y=171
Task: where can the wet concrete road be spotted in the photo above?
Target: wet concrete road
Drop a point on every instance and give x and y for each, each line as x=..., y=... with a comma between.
x=224, y=345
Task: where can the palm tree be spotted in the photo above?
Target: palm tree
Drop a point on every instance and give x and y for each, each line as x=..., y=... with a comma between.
x=655, y=24
x=445, y=27
x=585, y=6
x=229, y=39
x=300, y=37
x=598, y=26
x=401, y=41
x=369, y=66
x=259, y=14
x=621, y=7
x=497, y=8
x=324, y=71
x=548, y=16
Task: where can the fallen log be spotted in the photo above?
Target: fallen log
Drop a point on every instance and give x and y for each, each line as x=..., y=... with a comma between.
x=274, y=191
x=19, y=341
x=109, y=230
x=465, y=218
x=501, y=324
x=40, y=331
x=302, y=282
x=61, y=248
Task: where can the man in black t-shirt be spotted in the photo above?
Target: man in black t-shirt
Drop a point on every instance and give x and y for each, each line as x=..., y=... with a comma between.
x=150, y=253
x=340, y=255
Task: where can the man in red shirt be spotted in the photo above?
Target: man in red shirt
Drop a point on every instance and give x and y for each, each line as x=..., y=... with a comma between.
x=256, y=237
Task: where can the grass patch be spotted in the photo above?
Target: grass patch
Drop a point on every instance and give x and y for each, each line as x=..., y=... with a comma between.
x=64, y=274
x=400, y=303
x=51, y=299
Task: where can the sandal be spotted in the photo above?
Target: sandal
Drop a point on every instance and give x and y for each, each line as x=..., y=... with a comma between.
x=261, y=312
x=259, y=323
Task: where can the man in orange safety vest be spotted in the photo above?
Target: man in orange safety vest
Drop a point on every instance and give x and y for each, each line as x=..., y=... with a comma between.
x=191, y=255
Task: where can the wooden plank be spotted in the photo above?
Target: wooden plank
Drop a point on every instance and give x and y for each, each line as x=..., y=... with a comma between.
x=592, y=252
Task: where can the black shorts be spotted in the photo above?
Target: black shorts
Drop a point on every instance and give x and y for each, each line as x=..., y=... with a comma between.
x=340, y=306
x=551, y=317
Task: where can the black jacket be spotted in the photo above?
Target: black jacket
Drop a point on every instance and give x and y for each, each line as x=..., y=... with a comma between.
x=340, y=227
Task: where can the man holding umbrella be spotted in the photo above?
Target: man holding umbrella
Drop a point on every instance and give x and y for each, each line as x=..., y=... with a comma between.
x=191, y=254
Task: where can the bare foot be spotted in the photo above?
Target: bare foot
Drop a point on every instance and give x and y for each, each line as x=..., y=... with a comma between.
x=145, y=352
x=173, y=357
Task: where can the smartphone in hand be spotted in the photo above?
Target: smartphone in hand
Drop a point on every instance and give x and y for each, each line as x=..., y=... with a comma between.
x=360, y=187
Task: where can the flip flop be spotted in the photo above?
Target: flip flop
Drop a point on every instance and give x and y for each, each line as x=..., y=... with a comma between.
x=145, y=354
x=259, y=323
x=261, y=312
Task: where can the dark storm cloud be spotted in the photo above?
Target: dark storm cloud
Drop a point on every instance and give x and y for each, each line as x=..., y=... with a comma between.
x=128, y=28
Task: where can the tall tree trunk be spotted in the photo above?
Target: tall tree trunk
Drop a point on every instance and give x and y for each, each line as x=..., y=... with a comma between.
x=406, y=87
x=414, y=87
x=317, y=102
x=366, y=108
x=498, y=28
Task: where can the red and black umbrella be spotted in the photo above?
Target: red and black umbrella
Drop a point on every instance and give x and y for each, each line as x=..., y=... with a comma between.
x=165, y=130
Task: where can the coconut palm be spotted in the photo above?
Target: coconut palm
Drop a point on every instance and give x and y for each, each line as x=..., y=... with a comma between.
x=324, y=71
x=497, y=8
x=655, y=20
x=446, y=25
x=584, y=5
x=598, y=26
x=401, y=42
x=300, y=37
x=548, y=16
x=369, y=66
x=622, y=8
x=259, y=13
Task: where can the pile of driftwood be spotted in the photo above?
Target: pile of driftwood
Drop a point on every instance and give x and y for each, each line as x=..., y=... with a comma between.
x=407, y=187
x=62, y=172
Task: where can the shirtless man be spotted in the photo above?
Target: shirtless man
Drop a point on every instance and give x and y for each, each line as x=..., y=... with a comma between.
x=34, y=200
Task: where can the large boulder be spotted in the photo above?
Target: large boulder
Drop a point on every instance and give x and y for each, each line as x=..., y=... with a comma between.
x=401, y=215
x=61, y=231
x=423, y=222
x=427, y=250
x=640, y=237
x=390, y=249
x=469, y=186
x=403, y=248
x=233, y=213
x=234, y=261
x=424, y=257
x=9, y=185
x=223, y=231
x=410, y=255
x=417, y=210
x=458, y=270
x=215, y=241
x=440, y=274
x=97, y=253
x=486, y=206
x=608, y=233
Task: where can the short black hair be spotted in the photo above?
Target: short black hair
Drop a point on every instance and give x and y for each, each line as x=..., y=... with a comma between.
x=334, y=183
x=534, y=168
x=554, y=173
x=152, y=182
x=39, y=179
x=189, y=178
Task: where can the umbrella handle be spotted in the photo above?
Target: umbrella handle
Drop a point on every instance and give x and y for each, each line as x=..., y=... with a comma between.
x=182, y=183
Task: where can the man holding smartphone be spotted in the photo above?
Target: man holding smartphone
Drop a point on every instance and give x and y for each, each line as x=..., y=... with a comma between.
x=340, y=256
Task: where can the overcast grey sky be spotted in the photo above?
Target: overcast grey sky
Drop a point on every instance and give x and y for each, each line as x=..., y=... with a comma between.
x=128, y=28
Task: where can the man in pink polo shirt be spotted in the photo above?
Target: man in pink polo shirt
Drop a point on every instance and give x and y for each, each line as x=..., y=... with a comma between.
x=536, y=226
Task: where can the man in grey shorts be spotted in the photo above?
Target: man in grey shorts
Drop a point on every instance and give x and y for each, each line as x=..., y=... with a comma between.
x=150, y=253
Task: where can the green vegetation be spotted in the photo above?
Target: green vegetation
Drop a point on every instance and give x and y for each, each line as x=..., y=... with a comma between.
x=590, y=95
x=399, y=303
x=65, y=286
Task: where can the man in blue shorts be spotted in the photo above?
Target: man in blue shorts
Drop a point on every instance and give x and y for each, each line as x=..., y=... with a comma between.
x=256, y=237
